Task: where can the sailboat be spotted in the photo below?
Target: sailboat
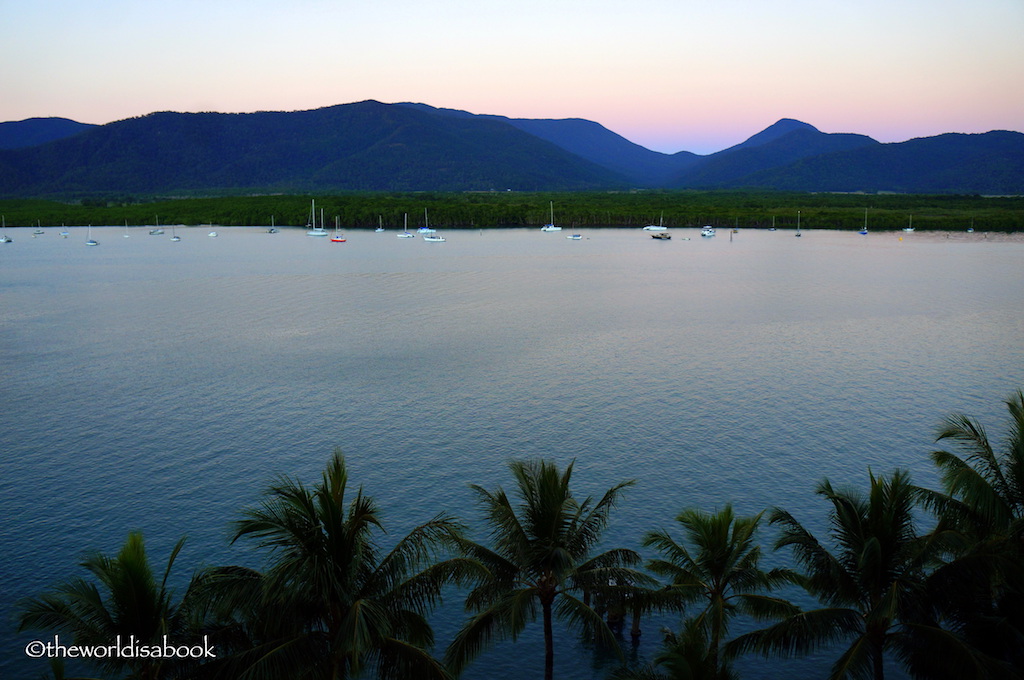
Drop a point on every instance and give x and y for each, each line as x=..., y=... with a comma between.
x=315, y=231
x=428, y=234
x=126, y=234
x=89, y=241
x=174, y=237
x=798, y=234
x=3, y=236
x=864, y=231
x=156, y=231
x=550, y=226
x=910, y=227
x=64, y=233
x=338, y=236
x=273, y=229
x=425, y=229
x=380, y=224
x=660, y=226
x=406, y=234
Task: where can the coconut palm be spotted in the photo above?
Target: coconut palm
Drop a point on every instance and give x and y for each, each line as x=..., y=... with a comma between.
x=873, y=587
x=720, y=572
x=542, y=556
x=982, y=590
x=128, y=601
x=333, y=604
x=687, y=655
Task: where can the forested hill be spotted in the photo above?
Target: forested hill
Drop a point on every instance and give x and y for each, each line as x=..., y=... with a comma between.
x=370, y=146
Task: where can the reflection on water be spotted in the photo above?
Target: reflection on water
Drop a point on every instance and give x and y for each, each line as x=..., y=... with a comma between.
x=161, y=386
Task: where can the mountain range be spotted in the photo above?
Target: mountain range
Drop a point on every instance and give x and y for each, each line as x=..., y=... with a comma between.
x=372, y=146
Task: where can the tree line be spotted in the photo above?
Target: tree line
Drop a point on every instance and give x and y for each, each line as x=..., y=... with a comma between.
x=333, y=601
x=483, y=210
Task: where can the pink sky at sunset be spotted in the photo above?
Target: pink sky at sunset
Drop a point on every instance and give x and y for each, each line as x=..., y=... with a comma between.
x=669, y=75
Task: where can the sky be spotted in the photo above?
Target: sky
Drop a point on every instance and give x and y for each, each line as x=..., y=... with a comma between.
x=670, y=75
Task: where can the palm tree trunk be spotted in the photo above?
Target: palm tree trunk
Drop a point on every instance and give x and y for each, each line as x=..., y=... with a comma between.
x=876, y=661
x=549, y=642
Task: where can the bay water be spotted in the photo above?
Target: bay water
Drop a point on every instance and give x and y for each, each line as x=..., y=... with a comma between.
x=163, y=386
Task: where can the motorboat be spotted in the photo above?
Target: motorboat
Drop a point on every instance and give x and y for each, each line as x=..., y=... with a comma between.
x=661, y=236
x=707, y=231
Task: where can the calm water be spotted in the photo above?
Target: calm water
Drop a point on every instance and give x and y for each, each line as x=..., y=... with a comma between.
x=161, y=386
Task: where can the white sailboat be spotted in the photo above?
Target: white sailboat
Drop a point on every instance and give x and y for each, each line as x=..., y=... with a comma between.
x=3, y=236
x=708, y=231
x=429, y=234
x=126, y=234
x=157, y=230
x=89, y=239
x=425, y=229
x=910, y=227
x=550, y=226
x=315, y=231
x=380, y=224
x=405, y=233
x=174, y=237
x=798, y=234
x=660, y=226
x=864, y=231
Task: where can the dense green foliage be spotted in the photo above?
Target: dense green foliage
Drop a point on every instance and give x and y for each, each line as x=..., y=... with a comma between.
x=938, y=595
x=515, y=209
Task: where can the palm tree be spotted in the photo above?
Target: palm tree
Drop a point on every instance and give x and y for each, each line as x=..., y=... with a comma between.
x=982, y=590
x=127, y=602
x=872, y=586
x=332, y=603
x=722, y=574
x=541, y=556
x=684, y=656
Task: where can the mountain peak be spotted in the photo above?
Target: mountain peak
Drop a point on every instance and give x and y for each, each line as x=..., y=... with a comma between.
x=773, y=132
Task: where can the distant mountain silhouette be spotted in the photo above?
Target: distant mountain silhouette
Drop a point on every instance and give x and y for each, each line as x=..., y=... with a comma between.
x=361, y=146
x=779, y=146
x=370, y=146
x=595, y=143
x=35, y=131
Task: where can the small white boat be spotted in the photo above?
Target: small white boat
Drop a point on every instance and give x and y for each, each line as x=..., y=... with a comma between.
x=864, y=231
x=156, y=231
x=90, y=241
x=910, y=227
x=3, y=226
x=64, y=232
x=433, y=238
x=798, y=234
x=406, y=234
x=550, y=226
x=660, y=226
x=174, y=237
x=575, y=237
x=272, y=229
x=126, y=234
x=316, y=231
x=380, y=224
x=425, y=229
x=707, y=231
x=212, y=234
x=661, y=236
